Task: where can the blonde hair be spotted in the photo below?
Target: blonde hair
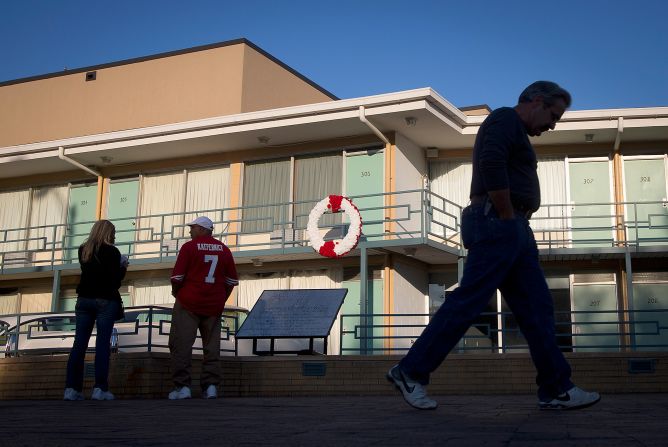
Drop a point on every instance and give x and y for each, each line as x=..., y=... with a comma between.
x=101, y=233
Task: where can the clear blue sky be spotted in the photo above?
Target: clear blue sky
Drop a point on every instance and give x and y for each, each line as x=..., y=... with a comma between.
x=609, y=54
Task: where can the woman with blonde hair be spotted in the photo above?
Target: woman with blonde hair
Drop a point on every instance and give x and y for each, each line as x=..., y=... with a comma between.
x=98, y=303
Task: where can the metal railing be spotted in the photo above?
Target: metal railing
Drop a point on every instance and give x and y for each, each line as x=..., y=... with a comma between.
x=413, y=216
x=497, y=332
x=144, y=329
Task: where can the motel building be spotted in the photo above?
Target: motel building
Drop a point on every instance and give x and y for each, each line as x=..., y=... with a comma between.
x=230, y=132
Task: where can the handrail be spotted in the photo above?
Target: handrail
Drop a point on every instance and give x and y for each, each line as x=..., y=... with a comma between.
x=53, y=332
x=417, y=215
x=583, y=331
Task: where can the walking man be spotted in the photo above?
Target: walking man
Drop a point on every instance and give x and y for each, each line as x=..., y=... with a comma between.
x=502, y=254
x=202, y=280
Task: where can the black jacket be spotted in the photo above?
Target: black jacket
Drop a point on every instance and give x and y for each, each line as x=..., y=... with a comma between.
x=101, y=277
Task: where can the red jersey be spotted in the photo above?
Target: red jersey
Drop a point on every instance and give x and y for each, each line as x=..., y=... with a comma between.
x=204, y=275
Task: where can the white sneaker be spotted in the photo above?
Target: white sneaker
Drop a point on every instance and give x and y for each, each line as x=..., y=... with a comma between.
x=98, y=394
x=571, y=400
x=413, y=392
x=210, y=393
x=72, y=394
x=180, y=393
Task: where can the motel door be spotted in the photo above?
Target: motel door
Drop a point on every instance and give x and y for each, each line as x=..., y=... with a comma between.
x=80, y=218
x=122, y=212
x=364, y=175
x=592, y=225
x=352, y=343
x=650, y=301
x=595, y=320
x=645, y=181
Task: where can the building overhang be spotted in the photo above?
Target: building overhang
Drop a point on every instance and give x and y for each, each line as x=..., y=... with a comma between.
x=421, y=115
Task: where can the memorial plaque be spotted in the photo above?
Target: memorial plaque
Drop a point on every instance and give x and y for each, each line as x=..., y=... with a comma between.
x=297, y=313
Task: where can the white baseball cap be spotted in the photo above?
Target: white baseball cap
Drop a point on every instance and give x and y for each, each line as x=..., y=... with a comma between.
x=203, y=222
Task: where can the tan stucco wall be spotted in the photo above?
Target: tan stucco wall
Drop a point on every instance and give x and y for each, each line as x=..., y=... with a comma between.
x=267, y=85
x=217, y=81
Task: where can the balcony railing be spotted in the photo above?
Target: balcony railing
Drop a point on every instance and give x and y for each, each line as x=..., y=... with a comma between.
x=413, y=217
x=144, y=329
x=497, y=332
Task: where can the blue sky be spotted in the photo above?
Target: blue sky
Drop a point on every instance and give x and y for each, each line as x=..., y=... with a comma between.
x=609, y=54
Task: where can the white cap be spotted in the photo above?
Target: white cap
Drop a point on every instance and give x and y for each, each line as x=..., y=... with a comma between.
x=203, y=222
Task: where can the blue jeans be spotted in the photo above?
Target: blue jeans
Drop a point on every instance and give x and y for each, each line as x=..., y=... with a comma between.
x=91, y=311
x=502, y=254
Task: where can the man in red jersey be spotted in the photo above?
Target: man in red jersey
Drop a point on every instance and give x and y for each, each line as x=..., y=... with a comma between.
x=202, y=280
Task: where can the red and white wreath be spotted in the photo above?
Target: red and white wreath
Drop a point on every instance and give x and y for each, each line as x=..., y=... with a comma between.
x=338, y=248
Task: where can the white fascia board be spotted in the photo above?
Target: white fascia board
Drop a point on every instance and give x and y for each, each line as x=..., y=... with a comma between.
x=256, y=120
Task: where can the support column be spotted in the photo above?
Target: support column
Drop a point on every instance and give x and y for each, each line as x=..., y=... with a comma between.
x=364, y=305
x=55, y=290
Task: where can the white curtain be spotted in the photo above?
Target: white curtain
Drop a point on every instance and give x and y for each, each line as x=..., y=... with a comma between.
x=252, y=285
x=149, y=292
x=49, y=208
x=207, y=190
x=552, y=177
x=32, y=302
x=9, y=304
x=321, y=279
x=14, y=207
x=161, y=194
x=450, y=180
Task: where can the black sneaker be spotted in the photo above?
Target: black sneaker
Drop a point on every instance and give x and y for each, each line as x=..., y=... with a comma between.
x=571, y=400
x=413, y=392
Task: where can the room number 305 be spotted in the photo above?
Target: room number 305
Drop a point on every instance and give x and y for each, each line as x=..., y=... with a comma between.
x=366, y=174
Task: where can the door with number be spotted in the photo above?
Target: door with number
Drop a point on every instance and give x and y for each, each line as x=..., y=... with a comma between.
x=122, y=212
x=80, y=218
x=364, y=175
x=592, y=212
x=595, y=321
x=645, y=181
x=650, y=316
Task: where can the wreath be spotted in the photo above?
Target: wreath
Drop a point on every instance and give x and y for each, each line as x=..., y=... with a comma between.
x=338, y=248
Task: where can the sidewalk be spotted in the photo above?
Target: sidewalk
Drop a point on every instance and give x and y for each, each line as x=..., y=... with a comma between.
x=626, y=420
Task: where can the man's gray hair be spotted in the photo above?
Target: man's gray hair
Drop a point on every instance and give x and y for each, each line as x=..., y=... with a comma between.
x=550, y=91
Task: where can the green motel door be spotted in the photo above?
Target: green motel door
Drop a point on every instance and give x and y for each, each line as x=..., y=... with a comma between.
x=364, y=175
x=650, y=318
x=645, y=181
x=595, y=321
x=361, y=336
x=80, y=218
x=122, y=212
x=592, y=225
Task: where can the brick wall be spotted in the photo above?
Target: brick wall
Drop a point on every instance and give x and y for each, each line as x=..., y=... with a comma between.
x=146, y=375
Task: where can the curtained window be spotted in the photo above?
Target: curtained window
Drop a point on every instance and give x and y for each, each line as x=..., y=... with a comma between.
x=552, y=177
x=267, y=192
x=316, y=177
x=450, y=180
x=161, y=194
x=208, y=190
x=14, y=207
x=152, y=292
x=47, y=217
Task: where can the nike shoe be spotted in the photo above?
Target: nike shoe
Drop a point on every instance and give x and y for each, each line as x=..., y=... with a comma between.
x=571, y=400
x=180, y=393
x=210, y=392
x=72, y=394
x=98, y=394
x=414, y=393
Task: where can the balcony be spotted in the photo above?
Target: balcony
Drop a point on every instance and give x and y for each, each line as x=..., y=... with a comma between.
x=416, y=223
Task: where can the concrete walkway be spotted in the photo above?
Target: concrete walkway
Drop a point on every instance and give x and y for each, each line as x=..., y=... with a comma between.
x=626, y=420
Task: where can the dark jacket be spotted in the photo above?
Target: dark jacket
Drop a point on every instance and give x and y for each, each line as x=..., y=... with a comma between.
x=504, y=158
x=101, y=277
